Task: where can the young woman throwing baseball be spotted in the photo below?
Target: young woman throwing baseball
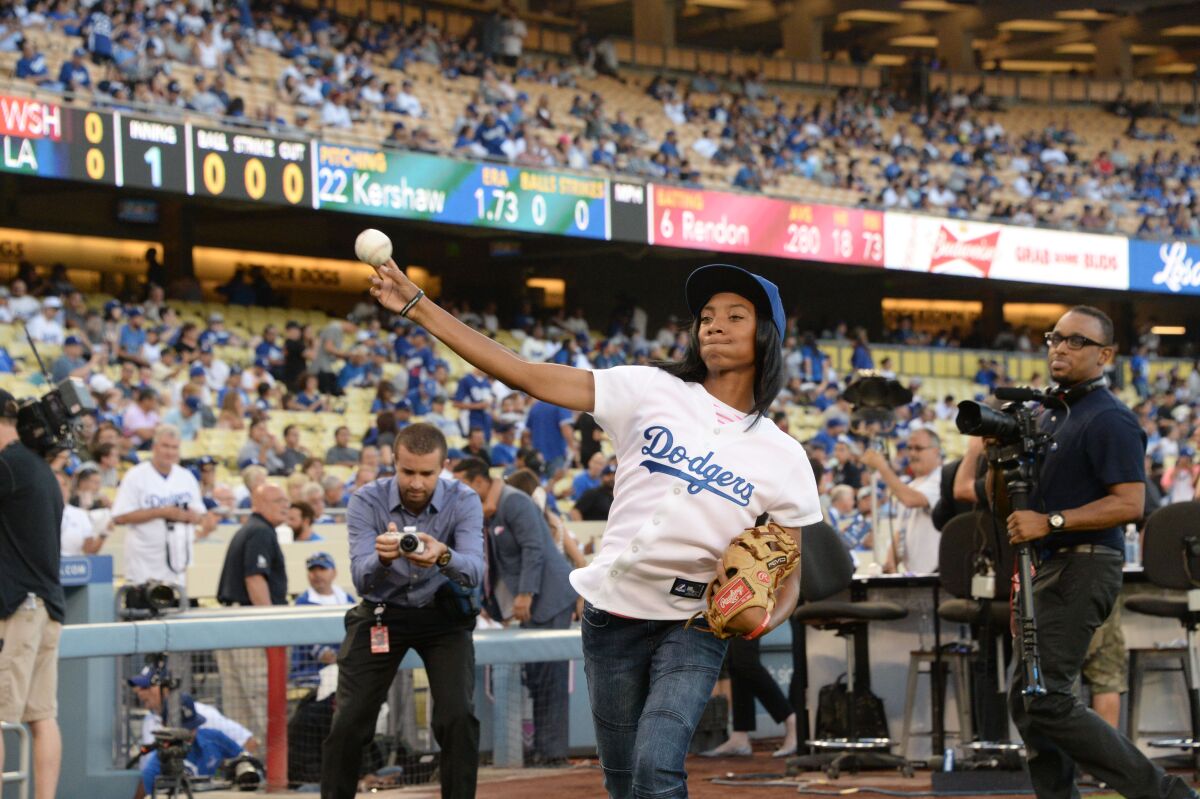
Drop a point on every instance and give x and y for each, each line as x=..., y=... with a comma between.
x=697, y=463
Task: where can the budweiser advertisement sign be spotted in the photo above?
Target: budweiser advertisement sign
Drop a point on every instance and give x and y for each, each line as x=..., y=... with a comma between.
x=944, y=246
x=1169, y=267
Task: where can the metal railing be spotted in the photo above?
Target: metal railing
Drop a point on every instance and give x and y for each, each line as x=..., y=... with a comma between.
x=21, y=777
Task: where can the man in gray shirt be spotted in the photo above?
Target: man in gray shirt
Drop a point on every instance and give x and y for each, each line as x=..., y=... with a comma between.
x=331, y=347
x=529, y=581
x=409, y=602
x=341, y=451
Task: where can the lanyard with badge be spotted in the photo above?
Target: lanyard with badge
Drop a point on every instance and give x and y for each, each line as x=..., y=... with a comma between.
x=379, y=633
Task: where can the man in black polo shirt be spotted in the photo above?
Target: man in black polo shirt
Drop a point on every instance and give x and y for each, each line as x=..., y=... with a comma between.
x=1092, y=482
x=254, y=574
x=31, y=599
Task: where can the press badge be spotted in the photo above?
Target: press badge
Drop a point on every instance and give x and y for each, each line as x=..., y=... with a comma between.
x=379, y=634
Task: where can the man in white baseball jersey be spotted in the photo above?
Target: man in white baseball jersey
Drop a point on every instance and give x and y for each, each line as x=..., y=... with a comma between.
x=160, y=503
x=697, y=465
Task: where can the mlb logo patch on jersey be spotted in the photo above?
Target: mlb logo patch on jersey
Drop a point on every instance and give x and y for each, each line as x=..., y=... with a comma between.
x=733, y=595
x=688, y=589
x=261, y=562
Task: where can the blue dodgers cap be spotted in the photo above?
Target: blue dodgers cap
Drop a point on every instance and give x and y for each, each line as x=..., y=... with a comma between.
x=188, y=716
x=320, y=560
x=146, y=677
x=714, y=278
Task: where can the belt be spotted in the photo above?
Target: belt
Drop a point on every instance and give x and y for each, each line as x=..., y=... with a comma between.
x=1088, y=549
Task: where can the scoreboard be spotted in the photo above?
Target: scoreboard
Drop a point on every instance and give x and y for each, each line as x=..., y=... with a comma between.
x=143, y=151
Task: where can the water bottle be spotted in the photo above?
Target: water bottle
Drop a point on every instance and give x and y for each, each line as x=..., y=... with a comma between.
x=948, y=760
x=1133, y=555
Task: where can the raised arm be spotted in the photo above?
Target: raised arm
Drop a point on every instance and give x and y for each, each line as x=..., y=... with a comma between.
x=559, y=385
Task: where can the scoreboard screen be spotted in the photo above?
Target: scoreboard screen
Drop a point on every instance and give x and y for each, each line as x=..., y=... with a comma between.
x=417, y=186
x=248, y=166
x=54, y=141
x=154, y=154
x=148, y=152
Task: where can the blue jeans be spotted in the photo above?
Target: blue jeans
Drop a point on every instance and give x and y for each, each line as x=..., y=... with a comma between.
x=649, y=682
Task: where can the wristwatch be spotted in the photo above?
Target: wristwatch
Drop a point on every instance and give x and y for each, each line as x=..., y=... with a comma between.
x=444, y=559
x=1057, y=522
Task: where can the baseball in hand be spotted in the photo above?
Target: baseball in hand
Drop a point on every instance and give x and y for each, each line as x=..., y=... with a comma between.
x=373, y=247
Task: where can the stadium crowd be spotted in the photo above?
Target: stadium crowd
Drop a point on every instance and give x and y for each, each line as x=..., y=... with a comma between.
x=146, y=369
x=951, y=153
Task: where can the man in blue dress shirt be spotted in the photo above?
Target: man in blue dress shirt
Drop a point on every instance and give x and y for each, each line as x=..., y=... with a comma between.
x=409, y=602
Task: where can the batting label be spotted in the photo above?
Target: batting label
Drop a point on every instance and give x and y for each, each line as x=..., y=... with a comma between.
x=688, y=589
x=775, y=563
x=733, y=596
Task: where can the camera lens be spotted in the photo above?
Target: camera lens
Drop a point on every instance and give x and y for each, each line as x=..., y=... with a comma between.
x=409, y=542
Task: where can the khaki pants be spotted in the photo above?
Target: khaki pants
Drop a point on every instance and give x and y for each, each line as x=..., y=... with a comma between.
x=29, y=665
x=244, y=688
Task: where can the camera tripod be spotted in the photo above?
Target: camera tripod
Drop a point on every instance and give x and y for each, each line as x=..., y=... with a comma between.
x=173, y=787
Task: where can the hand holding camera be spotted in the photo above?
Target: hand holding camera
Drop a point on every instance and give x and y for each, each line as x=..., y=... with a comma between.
x=420, y=548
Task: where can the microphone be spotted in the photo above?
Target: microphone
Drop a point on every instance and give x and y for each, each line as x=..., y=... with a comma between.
x=1019, y=394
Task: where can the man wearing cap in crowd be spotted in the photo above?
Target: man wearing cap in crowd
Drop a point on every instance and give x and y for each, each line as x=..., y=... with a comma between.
x=132, y=337
x=216, y=371
x=254, y=573
x=153, y=690
x=45, y=327
x=73, y=362
x=504, y=451
x=32, y=603
x=257, y=374
x=215, y=333
x=186, y=417
x=209, y=749
x=322, y=590
x=74, y=73
x=437, y=417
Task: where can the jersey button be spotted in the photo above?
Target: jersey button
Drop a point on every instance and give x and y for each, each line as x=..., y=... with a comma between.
x=634, y=548
x=678, y=490
x=657, y=520
x=614, y=573
x=716, y=431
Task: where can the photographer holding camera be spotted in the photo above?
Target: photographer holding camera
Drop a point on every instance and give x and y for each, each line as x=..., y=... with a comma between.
x=32, y=603
x=1089, y=482
x=409, y=603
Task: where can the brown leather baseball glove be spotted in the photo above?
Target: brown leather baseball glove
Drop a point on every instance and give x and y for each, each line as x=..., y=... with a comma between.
x=756, y=564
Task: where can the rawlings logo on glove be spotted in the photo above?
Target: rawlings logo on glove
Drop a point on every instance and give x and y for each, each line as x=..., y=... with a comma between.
x=756, y=564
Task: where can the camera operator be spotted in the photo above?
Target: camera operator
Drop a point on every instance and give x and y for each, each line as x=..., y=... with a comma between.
x=153, y=689
x=408, y=602
x=32, y=603
x=1091, y=482
x=206, y=752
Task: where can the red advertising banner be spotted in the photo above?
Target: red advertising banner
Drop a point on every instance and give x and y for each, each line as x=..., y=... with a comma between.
x=744, y=223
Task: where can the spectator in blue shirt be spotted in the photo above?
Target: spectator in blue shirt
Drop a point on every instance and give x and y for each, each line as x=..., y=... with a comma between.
x=269, y=348
x=504, y=451
x=590, y=478
x=670, y=145
x=132, y=338
x=74, y=73
x=32, y=65
x=986, y=375
x=354, y=373
x=861, y=358
x=307, y=661
x=474, y=394
x=553, y=434
x=748, y=178
x=492, y=134
x=601, y=156
x=828, y=437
